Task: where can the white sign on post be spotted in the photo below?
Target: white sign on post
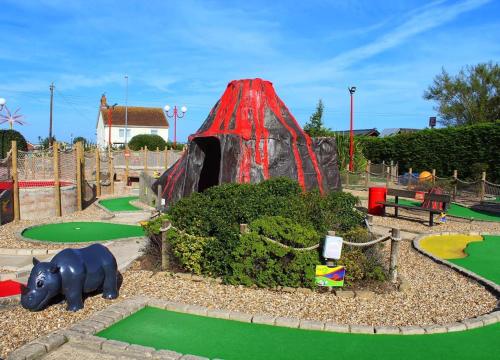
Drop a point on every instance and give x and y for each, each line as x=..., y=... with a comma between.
x=333, y=247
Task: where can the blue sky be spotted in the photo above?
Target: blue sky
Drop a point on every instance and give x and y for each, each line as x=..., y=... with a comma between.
x=185, y=52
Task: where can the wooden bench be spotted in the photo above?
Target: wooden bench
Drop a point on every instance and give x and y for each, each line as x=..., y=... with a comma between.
x=445, y=200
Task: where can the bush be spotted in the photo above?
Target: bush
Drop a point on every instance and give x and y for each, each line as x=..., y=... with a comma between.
x=258, y=261
x=6, y=136
x=448, y=149
x=151, y=141
x=277, y=209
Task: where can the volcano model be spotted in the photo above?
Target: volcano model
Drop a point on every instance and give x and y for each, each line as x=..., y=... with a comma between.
x=250, y=136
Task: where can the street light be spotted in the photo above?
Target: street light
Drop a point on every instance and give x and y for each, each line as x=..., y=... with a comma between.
x=175, y=115
x=2, y=103
x=352, y=90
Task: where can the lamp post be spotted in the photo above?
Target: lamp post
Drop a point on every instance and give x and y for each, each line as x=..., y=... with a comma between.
x=2, y=103
x=352, y=90
x=175, y=115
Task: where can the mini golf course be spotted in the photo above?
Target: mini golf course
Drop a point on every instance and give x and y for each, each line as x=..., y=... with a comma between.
x=120, y=204
x=459, y=211
x=475, y=253
x=227, y=339
x=81, y=232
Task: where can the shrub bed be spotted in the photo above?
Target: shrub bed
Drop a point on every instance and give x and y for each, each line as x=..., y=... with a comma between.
x=209, y=241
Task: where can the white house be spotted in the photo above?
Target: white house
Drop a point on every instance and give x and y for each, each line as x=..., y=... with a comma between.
x=140, y=120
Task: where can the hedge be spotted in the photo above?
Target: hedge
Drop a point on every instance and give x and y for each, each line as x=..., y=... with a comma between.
x=6, y=136
x=468, y=149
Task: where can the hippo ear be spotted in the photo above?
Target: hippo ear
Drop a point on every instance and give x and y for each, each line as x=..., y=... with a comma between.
x=35, y=261
x=53, y=269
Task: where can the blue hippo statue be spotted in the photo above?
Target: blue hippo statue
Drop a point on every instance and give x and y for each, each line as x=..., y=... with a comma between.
x=72, y=272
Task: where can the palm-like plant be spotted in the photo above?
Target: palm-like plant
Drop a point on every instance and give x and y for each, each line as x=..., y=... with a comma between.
x=12, y=118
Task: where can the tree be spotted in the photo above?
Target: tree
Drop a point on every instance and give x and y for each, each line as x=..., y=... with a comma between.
x=470, y=97
x=6, y=136
x=80, y=138
x=315, y=127
x=151, y=141
x=45, y=142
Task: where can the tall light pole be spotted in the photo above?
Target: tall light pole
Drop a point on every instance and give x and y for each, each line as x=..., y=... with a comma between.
x=126, y=109
x=352, y=90
x=175, y=115
x=2, y=103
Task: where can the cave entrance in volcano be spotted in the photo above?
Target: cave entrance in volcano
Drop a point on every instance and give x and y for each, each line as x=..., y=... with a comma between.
x=210, y=171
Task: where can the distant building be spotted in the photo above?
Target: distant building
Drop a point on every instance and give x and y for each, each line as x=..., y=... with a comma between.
x=397, y=131
x=360, y=132
x=140, y=120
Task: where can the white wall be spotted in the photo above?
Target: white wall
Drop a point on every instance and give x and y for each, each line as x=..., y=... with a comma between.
x=103, y=133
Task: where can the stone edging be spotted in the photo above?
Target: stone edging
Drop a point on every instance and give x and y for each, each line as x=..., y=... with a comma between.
x=19, y=234
x=83, y=332
x=488, y=284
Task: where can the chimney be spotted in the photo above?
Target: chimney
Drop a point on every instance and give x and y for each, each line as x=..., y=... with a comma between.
x=104, y=101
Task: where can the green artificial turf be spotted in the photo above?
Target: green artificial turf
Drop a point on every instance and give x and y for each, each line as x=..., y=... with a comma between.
x=82, y=232
x=459, y=211
x=483, y=258
x=226, y=339
x=120, y=204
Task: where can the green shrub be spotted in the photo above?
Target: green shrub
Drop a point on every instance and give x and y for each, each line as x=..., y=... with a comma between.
x=6, y=137
x=188, y=250
x=258, y=261
x=447, y=149
x=277, y=209
x=151, y=141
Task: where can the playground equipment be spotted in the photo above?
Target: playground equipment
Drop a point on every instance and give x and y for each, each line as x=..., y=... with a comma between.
x=72, y=272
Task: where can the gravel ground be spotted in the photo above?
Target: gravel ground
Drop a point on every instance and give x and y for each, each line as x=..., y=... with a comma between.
x=8, y=231
x=437, y=295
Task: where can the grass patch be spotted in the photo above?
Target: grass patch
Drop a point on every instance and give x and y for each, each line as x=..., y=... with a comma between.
x=120, y=204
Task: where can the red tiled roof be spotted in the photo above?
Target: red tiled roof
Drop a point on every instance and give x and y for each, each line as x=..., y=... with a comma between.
x=137, y=116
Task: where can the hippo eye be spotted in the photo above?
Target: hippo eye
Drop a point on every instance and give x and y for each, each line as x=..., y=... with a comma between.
x=39, y=283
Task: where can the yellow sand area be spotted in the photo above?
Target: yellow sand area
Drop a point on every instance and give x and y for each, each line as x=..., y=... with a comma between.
x=448, y=246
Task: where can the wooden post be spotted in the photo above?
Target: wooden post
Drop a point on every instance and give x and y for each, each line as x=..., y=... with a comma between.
x=111, y=171
x=244, y=229
x=166, y=158
x=57, y=183
x=410, y=177
x=158, y=197
x=165, y=246
x=483, y=185
x=367, y=177
x=455, y=183
x=145, y=159
x=127, y=159
x=98, y=171
x=433, y=177
x=79, y=177
x=158, y=164
x=393, y=267
x=388, y=176
x=15, y=182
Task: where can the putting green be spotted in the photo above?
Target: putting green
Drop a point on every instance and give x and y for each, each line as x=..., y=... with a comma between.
x=77, y=232
x=448, y=246
x=459, y=211
x=226, y=339
x=483, y=258
x=120, y=204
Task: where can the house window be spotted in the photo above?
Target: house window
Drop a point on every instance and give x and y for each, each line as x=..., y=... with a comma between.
x=122, y=133
x=154, y=131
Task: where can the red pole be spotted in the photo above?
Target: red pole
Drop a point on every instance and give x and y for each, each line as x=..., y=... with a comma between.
x=351, y=139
